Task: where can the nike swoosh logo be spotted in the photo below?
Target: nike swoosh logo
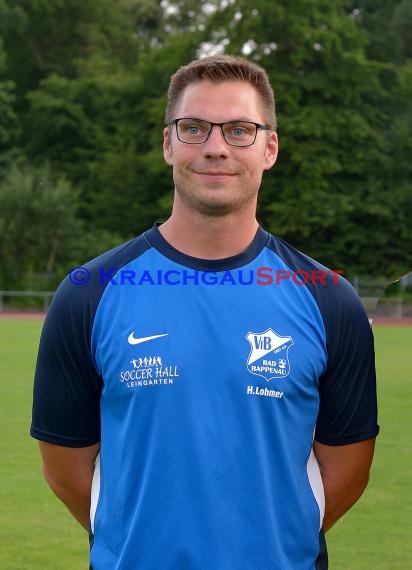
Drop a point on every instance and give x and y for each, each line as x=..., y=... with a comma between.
x=132, y=340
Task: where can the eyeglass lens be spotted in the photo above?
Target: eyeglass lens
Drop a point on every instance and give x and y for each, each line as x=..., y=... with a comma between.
x=196, y=131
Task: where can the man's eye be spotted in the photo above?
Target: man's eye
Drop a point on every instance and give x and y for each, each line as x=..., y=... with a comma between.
x=239, y=131
x=192, y=130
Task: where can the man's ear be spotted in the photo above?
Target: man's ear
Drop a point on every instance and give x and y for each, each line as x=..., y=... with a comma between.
x=167, y=147
x=271, y=153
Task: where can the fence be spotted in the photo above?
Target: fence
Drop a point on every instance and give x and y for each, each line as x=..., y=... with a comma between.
x=46, y=296
x=383, y=298
x=373, y=292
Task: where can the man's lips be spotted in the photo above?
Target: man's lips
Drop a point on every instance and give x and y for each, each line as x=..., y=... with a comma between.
x=214, y=173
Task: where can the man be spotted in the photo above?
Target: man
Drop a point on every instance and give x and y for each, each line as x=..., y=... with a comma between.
x=207, y=399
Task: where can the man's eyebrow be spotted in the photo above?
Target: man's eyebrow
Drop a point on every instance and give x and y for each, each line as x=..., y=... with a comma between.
x=243, y=120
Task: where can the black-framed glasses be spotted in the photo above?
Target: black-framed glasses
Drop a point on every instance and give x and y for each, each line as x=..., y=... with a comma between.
x=236, y=133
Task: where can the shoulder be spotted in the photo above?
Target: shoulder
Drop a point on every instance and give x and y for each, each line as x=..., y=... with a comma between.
x=333, y=294
x=82, y=289
x=347, y=387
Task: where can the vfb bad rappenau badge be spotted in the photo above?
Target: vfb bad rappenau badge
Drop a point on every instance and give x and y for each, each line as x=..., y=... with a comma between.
x=269, y=354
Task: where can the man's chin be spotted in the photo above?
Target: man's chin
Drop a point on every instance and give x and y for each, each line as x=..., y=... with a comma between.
x=215, y=201
x=217, y=211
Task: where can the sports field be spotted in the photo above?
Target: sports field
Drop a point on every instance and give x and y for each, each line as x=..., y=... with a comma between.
x=36, y=532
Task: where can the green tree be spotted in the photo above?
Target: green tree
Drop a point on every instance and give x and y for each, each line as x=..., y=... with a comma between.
x=91, y=98
x=9, y=128
x=400, y=31
x=9, y=122
x=37, y=223
x=398, y=180
x=387, y=25
x=103, y=130
x=44, y=37
x=41, y=234
x=42, y=237
x=328, y=188
x=131, y=183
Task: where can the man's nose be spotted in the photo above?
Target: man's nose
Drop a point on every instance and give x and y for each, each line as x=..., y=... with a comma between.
x=216, y=144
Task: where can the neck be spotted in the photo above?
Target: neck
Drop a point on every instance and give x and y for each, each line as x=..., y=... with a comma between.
x=210, y=237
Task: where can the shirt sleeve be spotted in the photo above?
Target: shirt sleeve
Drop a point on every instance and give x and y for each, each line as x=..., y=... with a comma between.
x=67, y=388
x=347, y=389
x=67, y=385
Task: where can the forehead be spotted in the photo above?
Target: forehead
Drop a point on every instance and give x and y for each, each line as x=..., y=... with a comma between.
x=218, y=102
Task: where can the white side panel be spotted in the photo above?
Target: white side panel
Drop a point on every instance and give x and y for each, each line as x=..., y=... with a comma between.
x=95, y=492
x=315, y=481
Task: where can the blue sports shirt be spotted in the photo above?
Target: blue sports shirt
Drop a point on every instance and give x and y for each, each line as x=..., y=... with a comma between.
x=205, y=382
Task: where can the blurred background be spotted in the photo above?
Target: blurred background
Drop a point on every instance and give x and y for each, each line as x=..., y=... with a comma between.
x=82, y=95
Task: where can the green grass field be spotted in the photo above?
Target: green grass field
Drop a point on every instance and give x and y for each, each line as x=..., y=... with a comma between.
x=36, y=532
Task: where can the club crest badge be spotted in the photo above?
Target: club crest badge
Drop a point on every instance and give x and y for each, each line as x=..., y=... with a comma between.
x=269, y=354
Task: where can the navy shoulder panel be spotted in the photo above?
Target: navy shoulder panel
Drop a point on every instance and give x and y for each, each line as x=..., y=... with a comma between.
x=348, y=408
x=67, y=387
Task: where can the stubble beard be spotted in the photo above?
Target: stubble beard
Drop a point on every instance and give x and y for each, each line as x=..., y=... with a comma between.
x=214, y=201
